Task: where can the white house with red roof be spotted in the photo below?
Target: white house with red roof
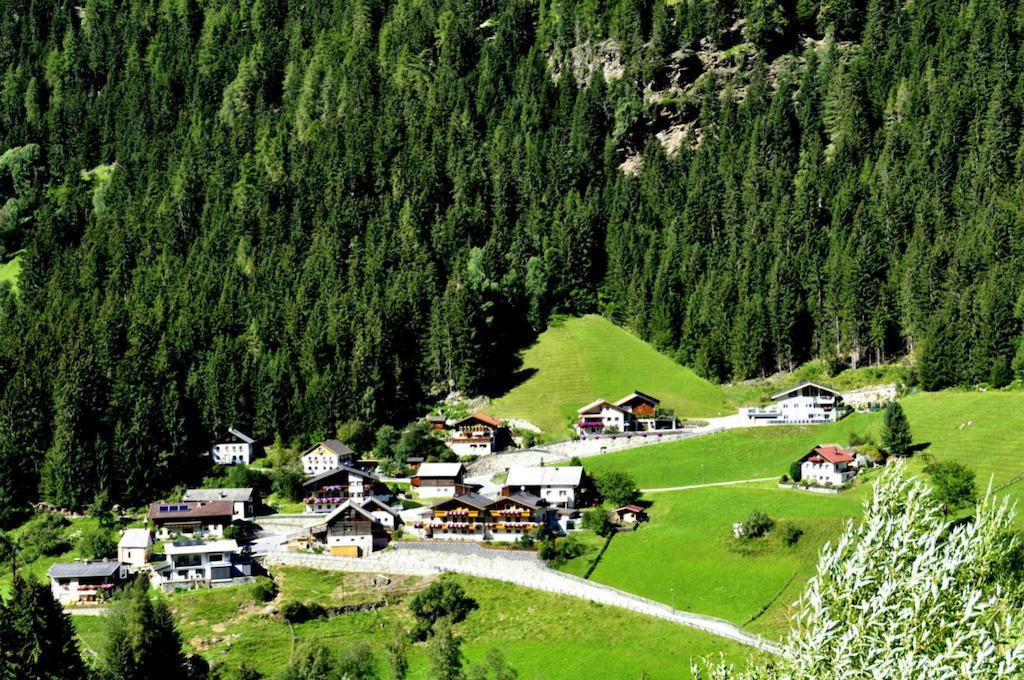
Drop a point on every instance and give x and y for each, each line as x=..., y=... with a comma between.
x=827, y=465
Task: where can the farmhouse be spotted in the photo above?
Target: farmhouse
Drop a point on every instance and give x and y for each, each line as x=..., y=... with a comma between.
x=806, y=403
x=244, y=501
x=199, y=518
x=135, y=547
x=329, y=490
x=478, y=435
x=198, y=564
x=827, y=465
x=330, y=454
x=558, y=486
x=351, y=531
x=473, y=517
x=234, y=447
x=636, y=412
x=437, y=480
x=86, y=582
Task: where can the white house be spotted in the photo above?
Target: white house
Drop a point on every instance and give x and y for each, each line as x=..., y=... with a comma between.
x=599, y=416
x=827, y=464
x=86, y=582
x=351, y=531
x=477, y=435
x=244, y=501
x=806, y=403
x=646, y=416
x=439, y=480
x=558, y=486
x=383, y=512
x=135, y=547
x=330, y=454
x=198, y=564
x=234, y=447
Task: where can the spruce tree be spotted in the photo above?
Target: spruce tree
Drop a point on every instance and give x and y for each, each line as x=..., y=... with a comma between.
x=37, y=640
x=896, y=437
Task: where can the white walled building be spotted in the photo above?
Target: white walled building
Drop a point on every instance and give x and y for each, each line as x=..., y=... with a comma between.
x=234, y=447
x=192, y=564
x=244, y=501
x=558, y=486
x=805, y=404
x=351, y=531
x=439, y=480
x=599, y=416
x=86, y=582
x=135, y=547
x=827, y=464
x=330, y=454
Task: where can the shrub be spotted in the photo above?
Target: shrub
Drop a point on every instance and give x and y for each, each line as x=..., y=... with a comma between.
x=264, y=590
x=288, y=484
x=617, y=487
x=96, y=542
x=757, y=524
x=529, y=439
x=784, y=479
x=791, y=534
x=442, y=598
x=43, y=535
x=795, y=471
x=597, y=521
x=294, y=611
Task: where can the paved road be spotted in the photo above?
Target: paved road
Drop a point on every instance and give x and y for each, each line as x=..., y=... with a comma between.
x=429, y=558
x=710, y=484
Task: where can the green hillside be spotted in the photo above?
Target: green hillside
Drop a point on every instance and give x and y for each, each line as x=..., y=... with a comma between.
x=582, y=359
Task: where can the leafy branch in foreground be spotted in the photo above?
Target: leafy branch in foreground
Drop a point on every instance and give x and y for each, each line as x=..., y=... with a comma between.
x=905, y=595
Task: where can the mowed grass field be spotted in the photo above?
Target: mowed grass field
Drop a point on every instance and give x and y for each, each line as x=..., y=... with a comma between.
x=542, y=635
x=582, y=359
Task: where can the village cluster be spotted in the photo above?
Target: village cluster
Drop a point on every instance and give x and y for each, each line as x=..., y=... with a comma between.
x=351, y=511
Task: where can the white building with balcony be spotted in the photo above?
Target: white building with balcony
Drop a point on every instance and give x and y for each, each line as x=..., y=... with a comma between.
x=201, y=564
x=827, y=465
x=805, y=404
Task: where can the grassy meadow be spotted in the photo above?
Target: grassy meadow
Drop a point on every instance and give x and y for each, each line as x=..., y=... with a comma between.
x=9, y=272
x=38, y=568
x=542, y=635
x=582, y=359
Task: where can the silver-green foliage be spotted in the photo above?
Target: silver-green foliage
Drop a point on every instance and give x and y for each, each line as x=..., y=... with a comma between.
x=901, y=595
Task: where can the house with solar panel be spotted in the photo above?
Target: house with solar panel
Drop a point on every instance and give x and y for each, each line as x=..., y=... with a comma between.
x=243, y=500
x=87, y=582
x=194, y=519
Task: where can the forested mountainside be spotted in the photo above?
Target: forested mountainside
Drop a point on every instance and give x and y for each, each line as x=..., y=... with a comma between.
x=295, y=214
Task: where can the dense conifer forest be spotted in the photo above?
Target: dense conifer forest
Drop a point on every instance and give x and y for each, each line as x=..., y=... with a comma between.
x=291, y=215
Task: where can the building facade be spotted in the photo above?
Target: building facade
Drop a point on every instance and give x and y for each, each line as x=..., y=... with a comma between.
x=827, y=465
x=438, y=480
x=135, y=548
x=330, y=454
x=234, y=447
x=87, y=582
x=201, y=564
x=557, y=486
x=329, y=490
x=805, y=404
x=194, y=518
x=243, y=501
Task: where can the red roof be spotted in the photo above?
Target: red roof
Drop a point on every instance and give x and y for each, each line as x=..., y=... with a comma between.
x=832, y=453
x=631, y=508
x=482, y=417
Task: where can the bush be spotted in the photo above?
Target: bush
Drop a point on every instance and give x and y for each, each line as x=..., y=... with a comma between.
x=791, y=534
x=288, y=484
x=43, y=535
x=757, y=524
x=442, y=598
x=784, y=479
x=264, y=590
x=97, y=542
x=618, y=488
x=294, y=611
x=529, y=439
x=597, y=521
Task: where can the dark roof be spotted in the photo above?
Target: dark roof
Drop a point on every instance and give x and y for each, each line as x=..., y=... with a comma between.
x=334, y=446
x=527, y=499
x=806, y=383
x=373, y=500
x=190, y=510
x=347, y=505
x=653, y=401
x=234, y=433
x=474, y=499
x=341, y=468
x=84, y=569
x=226, y=494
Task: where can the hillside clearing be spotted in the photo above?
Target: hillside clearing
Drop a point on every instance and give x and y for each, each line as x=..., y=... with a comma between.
x=582, y=359
x=9, y=272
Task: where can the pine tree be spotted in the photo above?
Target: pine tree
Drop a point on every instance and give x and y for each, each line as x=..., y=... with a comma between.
x=37, y=640
x=896, y=437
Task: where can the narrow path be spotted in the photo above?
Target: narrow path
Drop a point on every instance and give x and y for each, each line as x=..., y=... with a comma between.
x=525, y=570
x=710, y=484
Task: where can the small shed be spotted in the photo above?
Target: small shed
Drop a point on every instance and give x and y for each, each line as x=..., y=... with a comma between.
x=628, y=514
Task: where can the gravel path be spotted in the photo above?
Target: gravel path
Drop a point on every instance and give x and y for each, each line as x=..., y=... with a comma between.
x=710, y=484
x=522, y=569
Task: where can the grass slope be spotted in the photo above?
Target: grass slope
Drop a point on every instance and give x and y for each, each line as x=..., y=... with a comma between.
x=582, y=359
x=542, y=635
x=9, y=271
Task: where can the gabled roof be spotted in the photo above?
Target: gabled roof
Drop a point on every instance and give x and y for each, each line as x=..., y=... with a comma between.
x=338, y=470
x=806, y=383
x=597, y=404
x=84, y=569
x=440, y=470
x=482, y=417
x=332, y=445
x=372, y=501
x=544, y=476
x=629, y=508
x=346, y=506
x=196, y=547
x=474, y=499
x=830, y=453
x=235, y=494
x=523, y=498
x=638, y=395
x=233, y=431
x=190, y=510
x=134, y=538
